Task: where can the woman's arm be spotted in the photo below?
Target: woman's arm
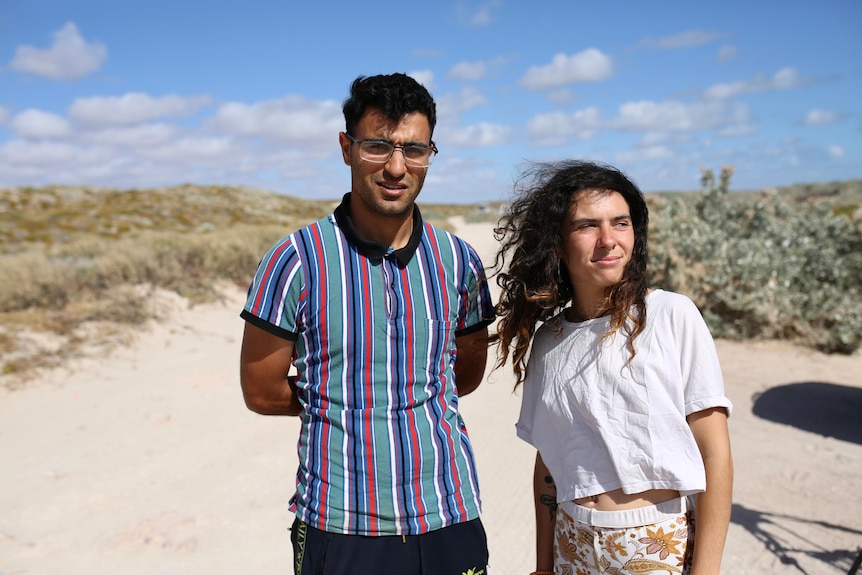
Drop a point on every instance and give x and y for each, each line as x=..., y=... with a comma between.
x=712, y=514
x=545, y=493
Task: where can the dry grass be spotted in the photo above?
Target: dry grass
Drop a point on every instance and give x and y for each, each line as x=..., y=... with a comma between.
x=82, y=267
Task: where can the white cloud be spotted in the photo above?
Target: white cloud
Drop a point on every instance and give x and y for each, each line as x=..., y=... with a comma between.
x=424, y=77
x=784, y=79
x=290, y=119
x=557, y=127
x=481, y=135
x=644, y=153
x=143, y=136
x=41, y=162
x=37, y=156
x=4, y=115
x=467, y=98
x=68, y=58
x=687, y=39
x=233, y=144
x=653, y=139
x=590, y=65
x=647, y=115
x=725, y=91
x=727, y=53
x=132, y=108
x=737, y=130
x=36, y=124
x=836, y=151
x=468, y=70
x=820, y=118
x=479, y=15
x=561, y=95
x=212, y=151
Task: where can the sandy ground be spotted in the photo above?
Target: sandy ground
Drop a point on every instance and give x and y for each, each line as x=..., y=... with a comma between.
x=146, y=461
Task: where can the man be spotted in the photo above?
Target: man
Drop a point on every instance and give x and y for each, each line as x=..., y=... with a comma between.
x=386, y=319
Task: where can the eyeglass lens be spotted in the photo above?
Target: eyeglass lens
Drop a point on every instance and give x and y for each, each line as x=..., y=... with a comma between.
x=381, y=152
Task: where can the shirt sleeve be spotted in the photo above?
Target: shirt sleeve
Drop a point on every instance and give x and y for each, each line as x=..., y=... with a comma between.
x=275, y=296
x=699, y=365
x=531, y=389
x=477, y=309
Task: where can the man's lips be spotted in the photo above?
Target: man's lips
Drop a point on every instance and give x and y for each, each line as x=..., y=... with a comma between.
x=393, y=188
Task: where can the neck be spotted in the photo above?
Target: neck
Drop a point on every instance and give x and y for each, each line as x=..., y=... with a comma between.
x=584, y=308
x=393, y=230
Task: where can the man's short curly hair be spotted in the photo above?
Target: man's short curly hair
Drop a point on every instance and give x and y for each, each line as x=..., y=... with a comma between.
x=395, y=95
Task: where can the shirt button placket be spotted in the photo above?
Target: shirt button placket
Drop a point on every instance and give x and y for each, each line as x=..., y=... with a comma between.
x=389, y=285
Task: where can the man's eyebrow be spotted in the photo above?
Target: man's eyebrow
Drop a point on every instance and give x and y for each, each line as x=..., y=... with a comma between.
x=388, y=141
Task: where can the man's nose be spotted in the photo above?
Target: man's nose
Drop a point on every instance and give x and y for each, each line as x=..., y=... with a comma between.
x=396, y=165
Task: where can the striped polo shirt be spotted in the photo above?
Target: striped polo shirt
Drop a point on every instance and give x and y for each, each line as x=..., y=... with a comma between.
x=382, y=448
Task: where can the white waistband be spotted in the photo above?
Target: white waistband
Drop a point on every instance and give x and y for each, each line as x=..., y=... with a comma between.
x=626, y=517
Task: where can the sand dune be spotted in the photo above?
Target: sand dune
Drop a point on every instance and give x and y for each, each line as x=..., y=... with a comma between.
x=146, y=461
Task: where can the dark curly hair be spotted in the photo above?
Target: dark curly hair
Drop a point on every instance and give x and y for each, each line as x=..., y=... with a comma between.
x=394, y=95
x=536, y=286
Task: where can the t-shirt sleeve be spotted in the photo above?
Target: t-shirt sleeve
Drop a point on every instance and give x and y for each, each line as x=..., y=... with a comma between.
x=477, y=308
x=699, y=365
x=531, y=390
x=275, y=296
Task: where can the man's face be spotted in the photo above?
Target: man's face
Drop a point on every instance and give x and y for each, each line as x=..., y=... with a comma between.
x=387, y=189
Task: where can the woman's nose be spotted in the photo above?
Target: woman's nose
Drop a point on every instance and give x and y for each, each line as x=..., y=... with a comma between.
x=606, y=237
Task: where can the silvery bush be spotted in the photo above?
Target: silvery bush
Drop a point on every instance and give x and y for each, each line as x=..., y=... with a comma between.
x=762, y=269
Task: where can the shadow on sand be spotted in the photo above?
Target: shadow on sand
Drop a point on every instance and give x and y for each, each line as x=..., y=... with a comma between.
x=777, y=534
x=823, y=408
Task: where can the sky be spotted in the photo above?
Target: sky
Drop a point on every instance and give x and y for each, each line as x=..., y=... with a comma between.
x=151, y=94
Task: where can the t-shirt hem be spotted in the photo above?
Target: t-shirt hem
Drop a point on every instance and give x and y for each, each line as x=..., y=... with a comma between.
x=396, y=531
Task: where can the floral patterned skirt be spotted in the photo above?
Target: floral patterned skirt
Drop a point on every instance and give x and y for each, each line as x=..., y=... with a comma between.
x=590, y=542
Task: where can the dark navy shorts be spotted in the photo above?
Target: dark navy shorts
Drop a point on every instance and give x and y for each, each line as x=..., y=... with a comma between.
x=455, y=550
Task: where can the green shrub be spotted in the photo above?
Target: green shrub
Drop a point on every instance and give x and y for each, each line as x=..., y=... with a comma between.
x=764, y=269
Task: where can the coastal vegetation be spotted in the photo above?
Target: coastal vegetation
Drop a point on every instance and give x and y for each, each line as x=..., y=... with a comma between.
x=85, y=266
x=779, y=264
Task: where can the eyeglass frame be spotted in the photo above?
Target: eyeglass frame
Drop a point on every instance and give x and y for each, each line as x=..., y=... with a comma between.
x=432, y=148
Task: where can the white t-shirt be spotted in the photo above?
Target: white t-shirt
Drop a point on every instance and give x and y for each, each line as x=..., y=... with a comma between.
x=601, y=424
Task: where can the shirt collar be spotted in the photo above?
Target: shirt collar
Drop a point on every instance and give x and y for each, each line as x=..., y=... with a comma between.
x=373, y=249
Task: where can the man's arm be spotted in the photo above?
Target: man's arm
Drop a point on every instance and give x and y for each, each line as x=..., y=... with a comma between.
x=713, y=505
x=545, y=494
x=264, y=363
x=472, y=350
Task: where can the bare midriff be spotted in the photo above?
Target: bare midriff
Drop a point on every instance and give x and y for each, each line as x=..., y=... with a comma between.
x=616, y=500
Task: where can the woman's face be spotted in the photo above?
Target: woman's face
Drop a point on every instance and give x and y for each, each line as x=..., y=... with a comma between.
x=597, y=242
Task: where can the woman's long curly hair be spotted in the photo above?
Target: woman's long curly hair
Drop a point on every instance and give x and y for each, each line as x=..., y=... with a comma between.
x=535, y=285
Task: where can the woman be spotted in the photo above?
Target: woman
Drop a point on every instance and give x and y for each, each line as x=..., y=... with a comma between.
x=623, y=394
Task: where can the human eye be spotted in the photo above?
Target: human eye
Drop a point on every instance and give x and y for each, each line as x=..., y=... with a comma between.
x=416, y=152
x=377, y=147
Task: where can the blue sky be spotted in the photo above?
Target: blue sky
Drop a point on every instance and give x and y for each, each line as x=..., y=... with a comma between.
x=157, y=93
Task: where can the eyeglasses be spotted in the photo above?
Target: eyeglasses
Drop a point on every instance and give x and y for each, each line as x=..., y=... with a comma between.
x=379, y=152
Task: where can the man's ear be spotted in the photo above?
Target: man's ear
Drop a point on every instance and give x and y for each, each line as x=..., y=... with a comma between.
x=345, y=142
